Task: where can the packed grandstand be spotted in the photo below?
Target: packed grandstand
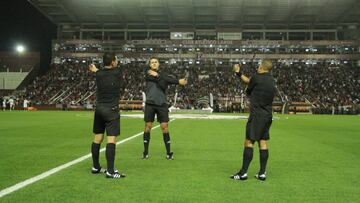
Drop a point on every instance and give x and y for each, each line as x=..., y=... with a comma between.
x=327, y=83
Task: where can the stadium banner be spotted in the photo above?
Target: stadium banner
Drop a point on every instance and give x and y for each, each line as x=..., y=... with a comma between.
x=209, y=42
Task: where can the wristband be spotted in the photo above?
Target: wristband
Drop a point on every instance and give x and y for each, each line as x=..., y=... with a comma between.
x=240, y=73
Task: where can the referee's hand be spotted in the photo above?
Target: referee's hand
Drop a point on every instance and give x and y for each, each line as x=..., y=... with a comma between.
x=153, y=73
x=183, y=81
x=93, y=68
x=236, y=68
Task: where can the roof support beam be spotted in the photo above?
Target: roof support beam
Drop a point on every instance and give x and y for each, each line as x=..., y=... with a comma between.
x=62, y=5
x=32, y=2
x=168, y=13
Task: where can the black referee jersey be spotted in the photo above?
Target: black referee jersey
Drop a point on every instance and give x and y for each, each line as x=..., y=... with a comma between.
x=261, y=90
x=156, y=88
x=108, y=87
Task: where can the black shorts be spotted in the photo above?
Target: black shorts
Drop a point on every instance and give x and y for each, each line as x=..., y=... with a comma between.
x=162, y=113
x=258, y=126
x=107, y=118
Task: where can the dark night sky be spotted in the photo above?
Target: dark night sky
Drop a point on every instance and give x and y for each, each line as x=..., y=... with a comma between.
x=22, y=23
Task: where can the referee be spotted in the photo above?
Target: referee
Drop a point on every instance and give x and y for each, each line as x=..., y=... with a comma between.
x=106, y=113
x=261, y=90
x=156, y=85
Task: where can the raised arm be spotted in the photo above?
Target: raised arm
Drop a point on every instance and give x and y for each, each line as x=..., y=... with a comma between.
x=251, y=85
x=175, y=81
x=152, y=76
x=237, y=70
x=167, y=78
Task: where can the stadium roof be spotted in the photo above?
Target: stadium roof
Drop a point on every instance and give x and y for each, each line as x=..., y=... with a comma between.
x=204, y=14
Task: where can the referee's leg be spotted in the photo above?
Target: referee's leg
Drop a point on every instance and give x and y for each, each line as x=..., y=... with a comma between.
x=247, y=155
x=146, y=138
x=98, y=130
x=163, y=119
x=166, y=137
x=149, y=115
x=112, y=124
x=95, y=150
x=110, y=153
x=264, y=148
x=264, y=155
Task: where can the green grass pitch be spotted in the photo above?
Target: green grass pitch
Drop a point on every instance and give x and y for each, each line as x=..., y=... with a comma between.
x=312, y=159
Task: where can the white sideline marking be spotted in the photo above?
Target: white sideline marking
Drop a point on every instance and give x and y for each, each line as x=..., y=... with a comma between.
x=34, y=179
x=198, y=116
x=195, y=116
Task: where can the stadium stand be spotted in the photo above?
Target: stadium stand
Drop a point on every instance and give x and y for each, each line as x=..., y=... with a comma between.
x=323, y=85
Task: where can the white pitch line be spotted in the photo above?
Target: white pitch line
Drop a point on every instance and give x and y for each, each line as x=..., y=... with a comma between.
x=48, y=173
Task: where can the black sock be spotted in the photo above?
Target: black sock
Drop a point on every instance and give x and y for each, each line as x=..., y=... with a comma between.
x=146, y=142
x=95, y=148
x=167, y=142
x=110, y=156
x=264, y=155
x=247, y=157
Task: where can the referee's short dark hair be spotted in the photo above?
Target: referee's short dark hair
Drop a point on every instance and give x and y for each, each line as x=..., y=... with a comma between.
x=153, y=57
x=108, y=58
